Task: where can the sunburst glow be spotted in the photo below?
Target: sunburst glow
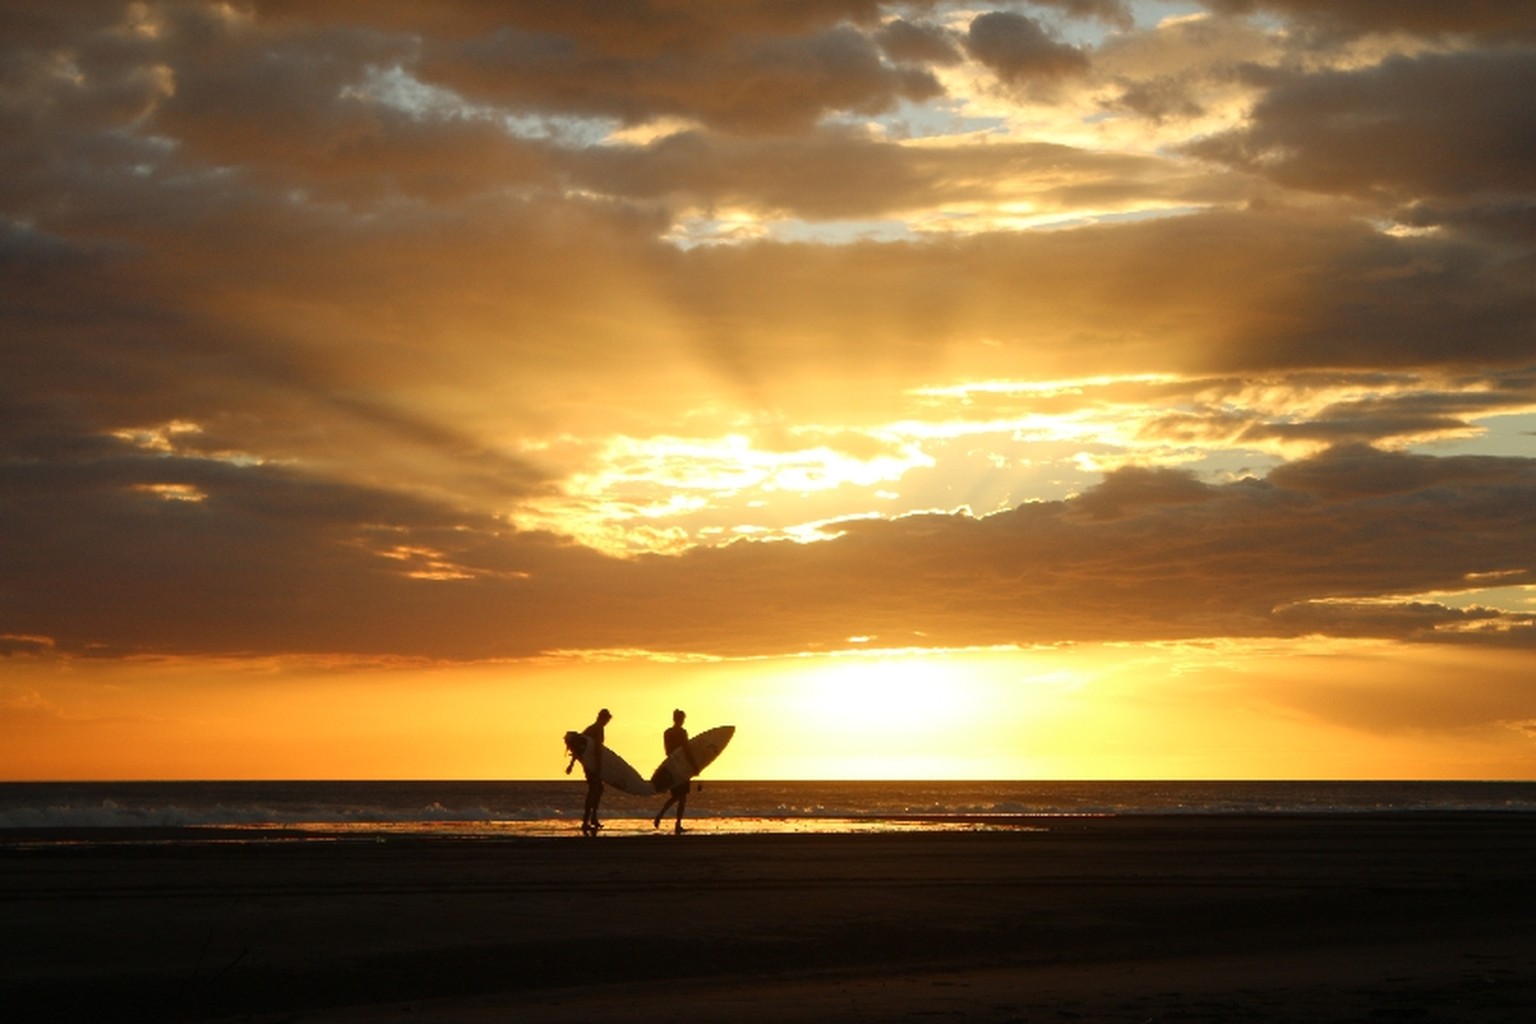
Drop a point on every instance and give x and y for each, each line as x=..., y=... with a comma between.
x=1041, y=388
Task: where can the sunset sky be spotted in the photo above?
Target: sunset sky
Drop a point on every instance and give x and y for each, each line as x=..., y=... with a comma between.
x=1064, y=389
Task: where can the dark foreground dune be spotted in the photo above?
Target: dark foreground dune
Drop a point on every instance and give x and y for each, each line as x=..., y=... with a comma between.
x=1358, y=918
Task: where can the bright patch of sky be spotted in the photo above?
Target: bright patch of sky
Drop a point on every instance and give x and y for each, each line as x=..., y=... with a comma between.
x=1152, y=12
x=399, y=89
x=1497, y=591
x=982, y=446
x=1507, y=435
x=939, y=119
x=1516, y=599
x=725, y=228
x=720, y=228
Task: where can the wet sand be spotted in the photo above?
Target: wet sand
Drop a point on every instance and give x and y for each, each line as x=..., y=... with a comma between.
x=1284, y=918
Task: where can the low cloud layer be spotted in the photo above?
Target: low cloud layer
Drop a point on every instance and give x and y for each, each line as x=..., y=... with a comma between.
x=140, y=554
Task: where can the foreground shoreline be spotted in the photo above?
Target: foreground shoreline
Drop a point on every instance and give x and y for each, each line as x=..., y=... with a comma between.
x=1428, y=916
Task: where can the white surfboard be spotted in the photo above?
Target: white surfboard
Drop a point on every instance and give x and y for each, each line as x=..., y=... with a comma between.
x=617, y=772
x=704, y=747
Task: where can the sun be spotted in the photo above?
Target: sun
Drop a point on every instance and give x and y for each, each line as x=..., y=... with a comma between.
x=886, y=693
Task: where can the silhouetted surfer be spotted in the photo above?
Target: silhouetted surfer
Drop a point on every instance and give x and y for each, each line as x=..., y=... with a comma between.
x=594, y=771
x=673, y=738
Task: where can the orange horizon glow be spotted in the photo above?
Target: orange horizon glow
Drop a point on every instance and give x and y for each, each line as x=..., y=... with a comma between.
x=1175, y=711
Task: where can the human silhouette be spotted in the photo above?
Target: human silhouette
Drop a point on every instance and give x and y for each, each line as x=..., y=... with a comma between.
x=673, y=738
x=594, y=772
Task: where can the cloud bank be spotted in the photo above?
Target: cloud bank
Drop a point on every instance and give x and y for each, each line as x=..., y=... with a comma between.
x=323, y=323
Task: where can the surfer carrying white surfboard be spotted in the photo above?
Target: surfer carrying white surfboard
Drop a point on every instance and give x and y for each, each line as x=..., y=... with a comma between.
x=672, y=739
x=593, y=767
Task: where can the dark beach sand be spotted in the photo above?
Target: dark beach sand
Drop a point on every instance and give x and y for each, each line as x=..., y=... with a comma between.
x=1351, y=918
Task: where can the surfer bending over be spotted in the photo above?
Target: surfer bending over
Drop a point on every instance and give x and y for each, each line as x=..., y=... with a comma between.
x=594, y=734
x=673, y=738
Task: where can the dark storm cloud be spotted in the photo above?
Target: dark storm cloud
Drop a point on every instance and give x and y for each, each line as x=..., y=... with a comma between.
x=1361, y=473
x=298, y=95
x=1437, y=127
x=639, y=27
x=1165, y=98
x=1020, y=51
x=1404, y=619
x=917, y=43
x=125, y=116
x=1013, y=45
x=1492, y=20
x=749, y=85
x=1506, y=220
x=29, y=25
x=1134, y=489
x=264, y=560
x=12, y=646
x=636, y=26
x=28, y=255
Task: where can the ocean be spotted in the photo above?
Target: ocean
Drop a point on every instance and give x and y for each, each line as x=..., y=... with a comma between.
x=34, y=813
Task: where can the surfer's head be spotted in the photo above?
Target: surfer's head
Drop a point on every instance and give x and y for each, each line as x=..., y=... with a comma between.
x=604, y=715
x=678, y=716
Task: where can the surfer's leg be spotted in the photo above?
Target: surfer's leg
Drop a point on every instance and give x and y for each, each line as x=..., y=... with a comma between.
x=589, y=810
